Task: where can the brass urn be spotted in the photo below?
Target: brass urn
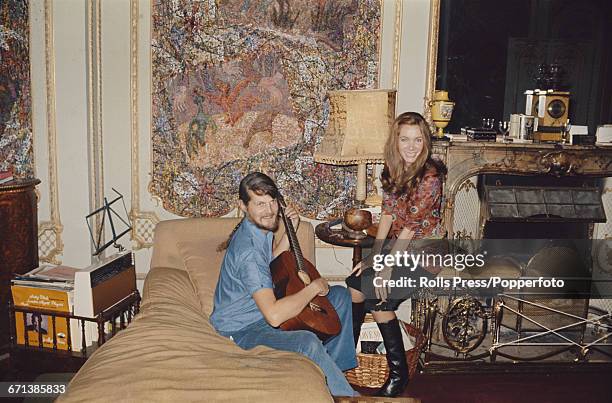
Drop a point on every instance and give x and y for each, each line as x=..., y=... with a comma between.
x=441, y=111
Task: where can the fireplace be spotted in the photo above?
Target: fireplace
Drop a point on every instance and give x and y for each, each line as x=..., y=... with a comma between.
x=538, y=203
x=545, y=224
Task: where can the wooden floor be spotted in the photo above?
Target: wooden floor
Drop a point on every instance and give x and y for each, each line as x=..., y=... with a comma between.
x=592, y=387
x=524, y=387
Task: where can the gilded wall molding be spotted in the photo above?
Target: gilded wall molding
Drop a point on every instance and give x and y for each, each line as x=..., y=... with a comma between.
x=143, y=222
x=432, y=57
x=397, y=43
x=50, y=243
x=94, y=109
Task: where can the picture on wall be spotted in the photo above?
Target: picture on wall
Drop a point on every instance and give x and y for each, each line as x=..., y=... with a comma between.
x=239, y=86
x=16, y=153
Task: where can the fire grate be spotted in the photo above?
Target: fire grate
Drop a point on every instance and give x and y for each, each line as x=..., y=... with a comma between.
x=537, y=204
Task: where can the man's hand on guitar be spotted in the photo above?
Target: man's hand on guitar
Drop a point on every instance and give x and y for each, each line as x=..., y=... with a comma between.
x=281, y=242
x=321, y=285
x=293, y=215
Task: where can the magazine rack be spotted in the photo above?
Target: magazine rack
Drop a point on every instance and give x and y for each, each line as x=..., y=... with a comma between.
x=109, y=322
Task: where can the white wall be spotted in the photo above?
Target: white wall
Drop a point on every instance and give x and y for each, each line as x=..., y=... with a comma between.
x=126, y=158
x=69, y=121
x=413, y=66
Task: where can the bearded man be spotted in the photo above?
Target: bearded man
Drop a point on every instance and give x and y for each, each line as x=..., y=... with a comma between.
x=245, y=307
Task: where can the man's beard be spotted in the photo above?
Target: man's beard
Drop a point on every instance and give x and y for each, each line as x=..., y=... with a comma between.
x=272, y=228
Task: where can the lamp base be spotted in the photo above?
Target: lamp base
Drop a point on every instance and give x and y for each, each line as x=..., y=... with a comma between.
x=440, y=138
x=353, y=234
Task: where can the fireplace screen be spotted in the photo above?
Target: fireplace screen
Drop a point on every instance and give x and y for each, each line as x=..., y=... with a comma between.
x=537, y=204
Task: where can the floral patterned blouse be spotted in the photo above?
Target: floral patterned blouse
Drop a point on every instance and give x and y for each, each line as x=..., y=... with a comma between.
x=418, y=211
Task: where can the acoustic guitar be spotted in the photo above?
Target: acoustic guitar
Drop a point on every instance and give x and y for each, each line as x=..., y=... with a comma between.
x=291, y=273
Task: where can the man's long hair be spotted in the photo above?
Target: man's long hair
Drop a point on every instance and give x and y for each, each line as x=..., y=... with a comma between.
x=258, y=183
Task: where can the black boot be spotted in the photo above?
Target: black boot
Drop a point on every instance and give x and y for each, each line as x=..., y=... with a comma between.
x=396, y=358
x=358, y=317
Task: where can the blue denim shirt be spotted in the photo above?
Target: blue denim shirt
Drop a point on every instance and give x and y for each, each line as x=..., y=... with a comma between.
x=245, y=269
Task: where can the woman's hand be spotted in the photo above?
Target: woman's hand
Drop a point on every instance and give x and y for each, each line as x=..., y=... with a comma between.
x=368, y=261
x=358, y=269
x=383, y=291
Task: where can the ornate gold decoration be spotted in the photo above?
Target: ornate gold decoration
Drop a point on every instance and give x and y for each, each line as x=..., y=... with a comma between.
x=94, y=109
x=465, y=324
x=463, y=234
x=432, y=58
x=397, y=43
x=49, y=240
x=441, y=109
x=560, y=163
x=143, y=228
x=143, y=223
x=50, y=243
x=557, y=163
x=466, y=185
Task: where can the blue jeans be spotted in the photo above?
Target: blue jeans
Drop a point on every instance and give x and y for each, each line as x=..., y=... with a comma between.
x=334, y=356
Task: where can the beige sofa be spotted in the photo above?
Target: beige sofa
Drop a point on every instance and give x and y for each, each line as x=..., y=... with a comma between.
x=170, y=352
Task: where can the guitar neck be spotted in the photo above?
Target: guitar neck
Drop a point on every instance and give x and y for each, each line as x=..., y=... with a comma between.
x=293, y=241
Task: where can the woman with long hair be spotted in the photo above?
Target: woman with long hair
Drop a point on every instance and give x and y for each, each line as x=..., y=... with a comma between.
x=412, y=197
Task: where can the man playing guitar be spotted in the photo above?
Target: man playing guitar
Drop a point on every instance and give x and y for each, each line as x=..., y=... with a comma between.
x=245, y=307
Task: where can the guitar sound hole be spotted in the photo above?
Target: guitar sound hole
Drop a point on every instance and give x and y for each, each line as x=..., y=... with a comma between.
x=317, y=308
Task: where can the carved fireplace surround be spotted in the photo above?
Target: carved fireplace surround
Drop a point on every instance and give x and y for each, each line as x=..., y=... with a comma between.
x=465, y=160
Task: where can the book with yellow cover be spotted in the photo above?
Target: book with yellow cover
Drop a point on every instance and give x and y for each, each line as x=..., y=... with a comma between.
x=47, y=299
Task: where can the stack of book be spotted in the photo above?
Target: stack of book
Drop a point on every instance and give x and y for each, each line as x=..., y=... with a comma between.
x=48, y=288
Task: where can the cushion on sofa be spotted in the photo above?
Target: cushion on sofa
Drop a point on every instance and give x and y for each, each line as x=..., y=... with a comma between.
x=203, y=272
x=202, y=261
x=209, y=232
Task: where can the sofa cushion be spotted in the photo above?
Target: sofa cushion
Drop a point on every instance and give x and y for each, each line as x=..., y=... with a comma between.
x=210, y=232
x=202, y=261
x=203, y=267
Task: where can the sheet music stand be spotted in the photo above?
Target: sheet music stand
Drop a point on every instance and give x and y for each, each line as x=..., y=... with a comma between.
x=109, y=214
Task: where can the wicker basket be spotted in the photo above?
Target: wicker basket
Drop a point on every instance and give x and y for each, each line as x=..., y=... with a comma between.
x=372, y=369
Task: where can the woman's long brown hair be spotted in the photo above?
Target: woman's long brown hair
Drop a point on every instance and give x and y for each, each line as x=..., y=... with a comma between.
x=397, y=176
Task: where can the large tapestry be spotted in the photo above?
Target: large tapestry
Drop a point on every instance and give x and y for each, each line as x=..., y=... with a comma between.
x=15, y=103
x=240, y=86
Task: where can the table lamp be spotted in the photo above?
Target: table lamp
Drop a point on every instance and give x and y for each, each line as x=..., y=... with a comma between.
x=359, y=123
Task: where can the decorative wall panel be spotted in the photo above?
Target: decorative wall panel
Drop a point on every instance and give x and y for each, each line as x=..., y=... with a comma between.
x=241, y=86
x=16, y=149
x=467, y=211
x=50, y=242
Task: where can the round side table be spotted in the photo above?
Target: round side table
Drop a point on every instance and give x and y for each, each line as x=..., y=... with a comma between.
x=339, y=237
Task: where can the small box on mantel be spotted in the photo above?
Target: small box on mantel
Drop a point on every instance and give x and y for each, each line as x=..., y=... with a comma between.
x=479, y=134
